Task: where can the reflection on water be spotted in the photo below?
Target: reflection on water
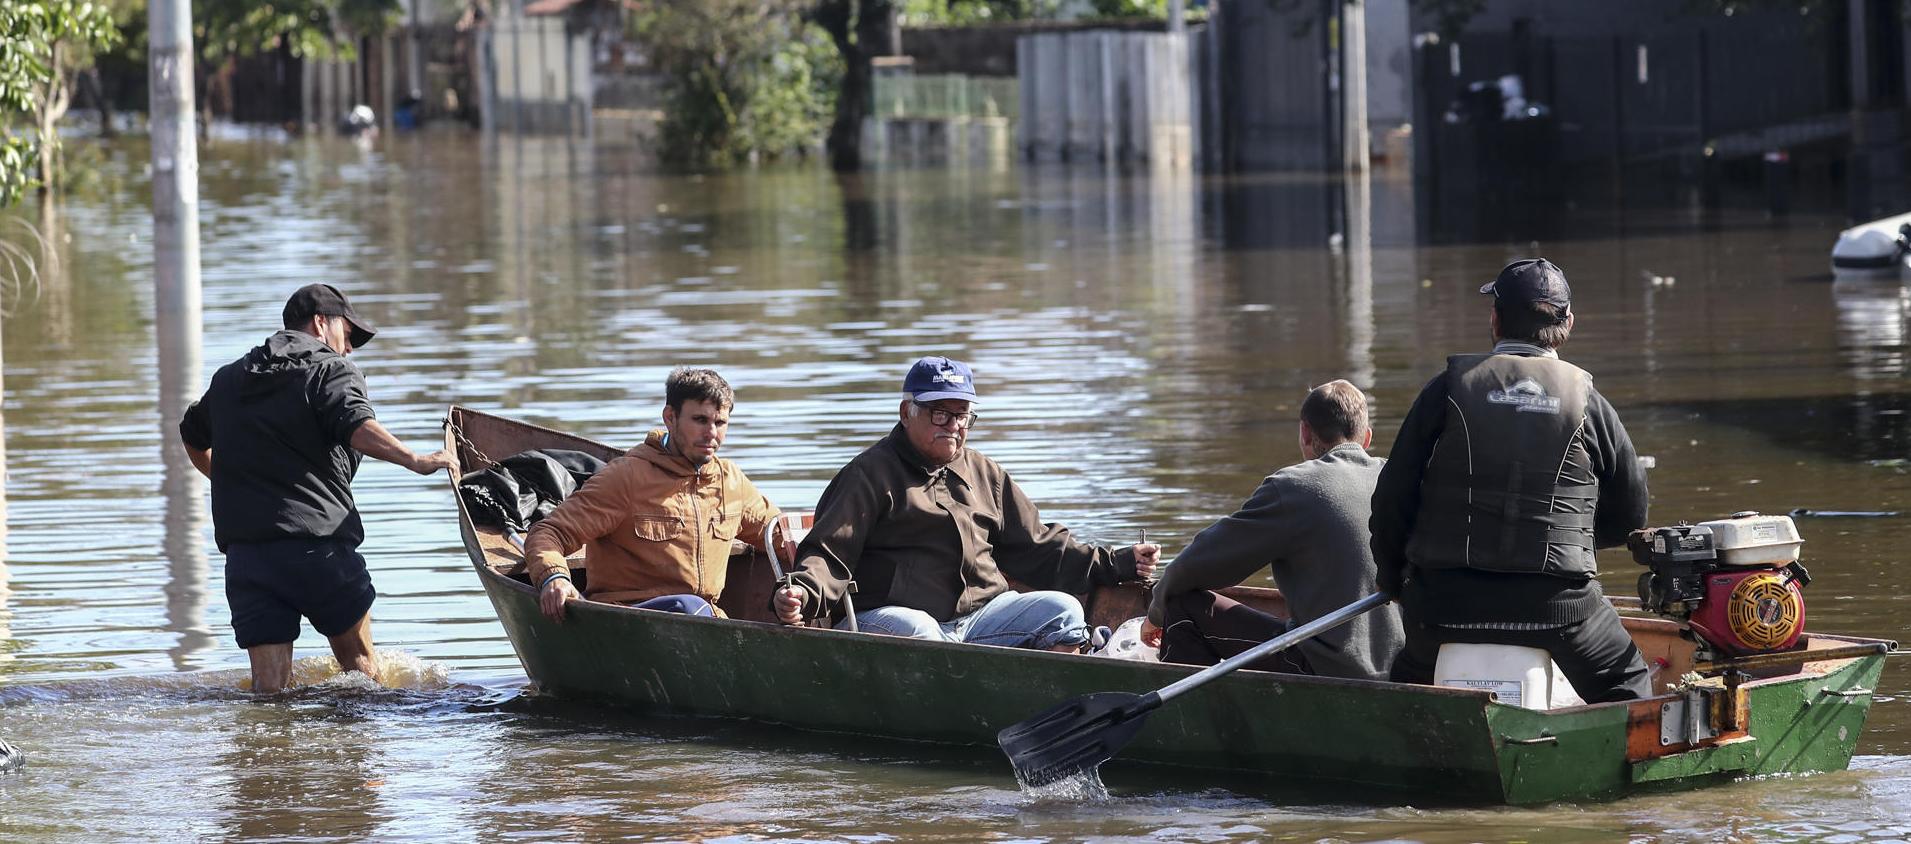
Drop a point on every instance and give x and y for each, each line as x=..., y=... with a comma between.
x=179, y=341
x=1359, y=280
x=1142, y=342
x=7, y=643
x=1871, y=327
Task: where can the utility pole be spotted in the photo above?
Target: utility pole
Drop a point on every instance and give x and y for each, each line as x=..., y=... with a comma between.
x=1355, y=145
x=1177, y=18
x=176, y=308
x=175, y=166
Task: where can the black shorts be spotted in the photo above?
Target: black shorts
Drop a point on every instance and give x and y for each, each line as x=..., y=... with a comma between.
x=269, y=585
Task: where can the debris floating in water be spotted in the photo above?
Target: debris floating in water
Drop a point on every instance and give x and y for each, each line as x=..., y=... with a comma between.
x=1804, y=512
x=1081, y=787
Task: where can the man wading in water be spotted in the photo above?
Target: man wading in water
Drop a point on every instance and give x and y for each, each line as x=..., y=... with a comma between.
x=280, y=433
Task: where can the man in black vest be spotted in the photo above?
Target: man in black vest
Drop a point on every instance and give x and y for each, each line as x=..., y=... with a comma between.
x=1508, y=471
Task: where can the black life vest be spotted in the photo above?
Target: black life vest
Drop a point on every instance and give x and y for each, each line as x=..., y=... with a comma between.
x=1510, y=487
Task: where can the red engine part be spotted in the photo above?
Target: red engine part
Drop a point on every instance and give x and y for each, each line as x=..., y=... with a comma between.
x=1750, y=610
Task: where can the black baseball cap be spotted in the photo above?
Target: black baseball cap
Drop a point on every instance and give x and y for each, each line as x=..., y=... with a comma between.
x=1530, y=280
x=324, y=299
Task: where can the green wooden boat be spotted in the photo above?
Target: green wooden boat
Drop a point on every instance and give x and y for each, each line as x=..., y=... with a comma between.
x=1452, y=745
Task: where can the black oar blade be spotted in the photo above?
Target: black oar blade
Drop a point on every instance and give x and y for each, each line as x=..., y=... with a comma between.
x=1074, y=736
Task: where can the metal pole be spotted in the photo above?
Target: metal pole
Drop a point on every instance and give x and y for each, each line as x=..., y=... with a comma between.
x=1354, y=85
x=176, y=307
x=175, y=168
x=1177, y=20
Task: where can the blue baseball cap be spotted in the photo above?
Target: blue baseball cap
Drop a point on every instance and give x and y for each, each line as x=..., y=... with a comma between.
x=937, y=378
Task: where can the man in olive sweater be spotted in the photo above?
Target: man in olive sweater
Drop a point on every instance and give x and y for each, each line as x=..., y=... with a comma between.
x=1308, y=522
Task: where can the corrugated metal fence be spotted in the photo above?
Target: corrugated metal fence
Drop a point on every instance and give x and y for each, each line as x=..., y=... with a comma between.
x=1109, y=96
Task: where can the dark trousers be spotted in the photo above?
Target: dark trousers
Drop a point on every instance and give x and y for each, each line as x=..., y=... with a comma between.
x=1202, y=628
x=1596, y=655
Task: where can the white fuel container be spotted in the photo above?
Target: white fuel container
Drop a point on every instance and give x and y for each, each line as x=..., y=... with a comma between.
x=1517, y=676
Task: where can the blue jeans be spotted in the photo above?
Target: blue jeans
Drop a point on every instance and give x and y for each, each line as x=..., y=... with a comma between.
x=686, y=604
x=1012, y=619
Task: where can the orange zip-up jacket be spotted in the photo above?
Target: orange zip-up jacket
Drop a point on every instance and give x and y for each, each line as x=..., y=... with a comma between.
x=652, y=524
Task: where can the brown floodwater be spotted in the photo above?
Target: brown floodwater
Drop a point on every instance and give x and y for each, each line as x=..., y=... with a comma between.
x=1141, y=343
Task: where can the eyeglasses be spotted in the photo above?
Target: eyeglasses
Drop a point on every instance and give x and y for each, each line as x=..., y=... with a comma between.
x=941, y=418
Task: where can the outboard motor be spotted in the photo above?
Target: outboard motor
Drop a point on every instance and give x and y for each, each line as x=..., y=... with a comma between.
x=1736, y=584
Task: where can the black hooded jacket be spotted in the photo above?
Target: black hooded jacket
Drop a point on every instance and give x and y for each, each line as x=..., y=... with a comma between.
x=279, y=422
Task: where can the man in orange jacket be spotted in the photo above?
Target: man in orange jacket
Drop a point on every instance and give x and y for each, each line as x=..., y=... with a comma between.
x=656, y=525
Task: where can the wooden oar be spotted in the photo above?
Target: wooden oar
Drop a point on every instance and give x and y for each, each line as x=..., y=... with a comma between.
x=1080, y=734
x=1756, y=662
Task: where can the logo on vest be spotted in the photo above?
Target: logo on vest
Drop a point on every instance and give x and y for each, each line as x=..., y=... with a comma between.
x=1526, y=396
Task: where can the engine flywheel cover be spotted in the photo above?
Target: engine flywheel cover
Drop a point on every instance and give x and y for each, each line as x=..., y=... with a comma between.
x=1765, y=611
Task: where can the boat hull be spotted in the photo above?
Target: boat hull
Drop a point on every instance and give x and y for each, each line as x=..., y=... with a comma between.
x=1451, y=744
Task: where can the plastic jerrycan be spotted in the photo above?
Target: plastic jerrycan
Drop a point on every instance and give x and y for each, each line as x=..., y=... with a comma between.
x=1517, y=676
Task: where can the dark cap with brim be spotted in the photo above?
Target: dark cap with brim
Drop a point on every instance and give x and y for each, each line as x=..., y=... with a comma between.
x=325, y=300
x=1530, y=280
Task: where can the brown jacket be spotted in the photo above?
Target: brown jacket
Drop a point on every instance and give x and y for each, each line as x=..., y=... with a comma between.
x=652, y=524
x=943, y=540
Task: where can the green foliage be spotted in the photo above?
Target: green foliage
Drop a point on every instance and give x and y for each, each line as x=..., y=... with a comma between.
x=791, y=107
x=84, y=28
x=40, y=42
x=971, y=12
x=23, y=65
x=743, y=78
x=17, y=154
x=224, y=29
x=1132, y=8
x=30, y=33
x=961, y=12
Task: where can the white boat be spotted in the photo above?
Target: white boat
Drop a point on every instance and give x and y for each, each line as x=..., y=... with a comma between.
x=1878, y=249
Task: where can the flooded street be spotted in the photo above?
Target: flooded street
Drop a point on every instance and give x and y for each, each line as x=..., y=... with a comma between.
x=1141, y=345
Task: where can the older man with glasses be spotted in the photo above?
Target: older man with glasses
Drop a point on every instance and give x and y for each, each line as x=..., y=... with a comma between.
x=926, y=534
